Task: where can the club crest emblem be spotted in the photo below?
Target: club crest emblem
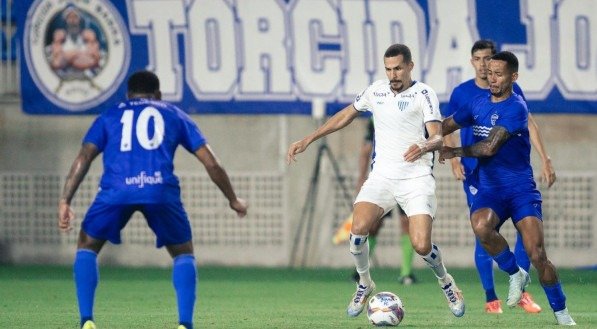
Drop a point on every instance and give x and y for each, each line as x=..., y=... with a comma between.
x=402, y=105
x=77, y=52
x=494, y=118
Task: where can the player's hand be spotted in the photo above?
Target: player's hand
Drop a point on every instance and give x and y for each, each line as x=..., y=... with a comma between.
x=446, y=153
x=65, y=216
x=240, y=206
x=294, y=149
x=548, y=174
x=413, y=153
x=457, y=169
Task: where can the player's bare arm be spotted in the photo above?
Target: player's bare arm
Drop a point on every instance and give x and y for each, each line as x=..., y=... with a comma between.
x=336, y=122
x=433, y=143
x=450, y=140
x=548, y=173
x=77, y=172
x=485, y=148
x=219, y=176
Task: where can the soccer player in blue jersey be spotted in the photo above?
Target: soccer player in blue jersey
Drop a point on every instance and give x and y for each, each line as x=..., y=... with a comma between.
x=507, y=187
x=138, y=138
x=463, y=169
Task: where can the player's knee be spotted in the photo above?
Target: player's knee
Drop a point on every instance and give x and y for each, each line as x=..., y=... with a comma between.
x=357, y=243
x=538, y=257
x=420, y=245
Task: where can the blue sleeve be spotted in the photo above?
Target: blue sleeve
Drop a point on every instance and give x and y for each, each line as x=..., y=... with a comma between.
x=464, y=115
x=452, y=106
x=515, y=118
x=96, y=134
x=191, y=137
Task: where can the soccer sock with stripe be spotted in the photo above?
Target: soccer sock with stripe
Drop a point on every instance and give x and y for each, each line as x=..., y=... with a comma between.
x=86, y=274
x=408, y=254
x=434, y=260
x=484, y=264
x=506, y=261
x=555, y=296
x=359, y=248
x=184, y=278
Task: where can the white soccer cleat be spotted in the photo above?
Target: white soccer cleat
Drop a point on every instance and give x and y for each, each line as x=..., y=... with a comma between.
x=453, y=295
x=359, y=299
x=518, y=282
x=564, y=318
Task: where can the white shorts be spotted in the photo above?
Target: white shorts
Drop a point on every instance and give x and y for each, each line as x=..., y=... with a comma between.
x=415, y=196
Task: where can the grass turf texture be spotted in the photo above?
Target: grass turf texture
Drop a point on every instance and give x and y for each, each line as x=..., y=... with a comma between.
x=44, y=297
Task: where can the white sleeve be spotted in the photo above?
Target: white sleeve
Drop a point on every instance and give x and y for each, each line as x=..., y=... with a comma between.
x=430, y=105
x=362, y=102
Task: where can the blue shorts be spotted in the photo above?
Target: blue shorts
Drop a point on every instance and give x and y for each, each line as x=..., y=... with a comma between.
x=168, y=221
x=515, y=204
x=470, y=185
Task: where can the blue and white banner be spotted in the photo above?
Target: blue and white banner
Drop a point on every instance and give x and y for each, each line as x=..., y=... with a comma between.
x=276, y=56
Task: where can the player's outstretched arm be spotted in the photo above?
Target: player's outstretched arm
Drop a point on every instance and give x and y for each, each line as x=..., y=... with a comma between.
x=77, y=172
x=485, y=148
x=336, y=122
x=219, y=176
x=548, y=173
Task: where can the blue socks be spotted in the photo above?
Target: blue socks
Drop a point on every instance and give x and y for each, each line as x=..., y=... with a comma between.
x=506, y=261
x=184, y=278
x=86, y=276
x=484, y=264
x=521, y=255
x=555, y=297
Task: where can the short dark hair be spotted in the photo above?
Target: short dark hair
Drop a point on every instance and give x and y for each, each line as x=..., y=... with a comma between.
x=509, y=58
x=143, y=82
x=484, y=44
x=399, y=49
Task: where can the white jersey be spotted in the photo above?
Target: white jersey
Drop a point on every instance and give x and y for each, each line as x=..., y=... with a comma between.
x=399, y=122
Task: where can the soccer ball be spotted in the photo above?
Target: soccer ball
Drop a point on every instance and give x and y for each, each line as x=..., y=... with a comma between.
x=385, y=309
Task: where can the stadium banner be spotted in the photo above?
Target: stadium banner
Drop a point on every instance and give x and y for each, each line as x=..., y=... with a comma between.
x=276, y=56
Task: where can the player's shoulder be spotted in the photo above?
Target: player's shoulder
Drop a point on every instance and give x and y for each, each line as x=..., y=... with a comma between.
x=421, y=88
x=466, y=86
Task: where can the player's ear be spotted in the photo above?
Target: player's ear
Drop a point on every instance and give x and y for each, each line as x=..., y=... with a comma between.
x=158, y=95
x=411, y=65
x=514, y=76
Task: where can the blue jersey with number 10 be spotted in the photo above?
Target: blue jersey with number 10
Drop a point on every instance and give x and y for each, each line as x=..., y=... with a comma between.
x=138, y=138
x=510, y=167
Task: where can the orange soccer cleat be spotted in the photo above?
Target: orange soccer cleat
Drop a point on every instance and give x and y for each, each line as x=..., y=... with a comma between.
x=494, y=307
x=343, y=232
x=527, y=303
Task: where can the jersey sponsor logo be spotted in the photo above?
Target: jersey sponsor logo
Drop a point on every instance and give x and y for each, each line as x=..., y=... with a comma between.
x=77, y=52
x=494, y=118
x=380, y=94
x=142, y=179
x=426, y=94
x=407, y=95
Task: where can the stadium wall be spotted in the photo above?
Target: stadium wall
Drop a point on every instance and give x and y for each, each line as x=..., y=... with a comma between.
x=37, y=151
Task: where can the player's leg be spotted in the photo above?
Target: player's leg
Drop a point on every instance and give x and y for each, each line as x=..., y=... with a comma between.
x=417, y=197
x=526, y=302
x=170, y=223
x=364, y=216
x=483, y=261
x=406, y=275
x=485, y=221
x=531, y=229
x=102, y=222
x=372, y=239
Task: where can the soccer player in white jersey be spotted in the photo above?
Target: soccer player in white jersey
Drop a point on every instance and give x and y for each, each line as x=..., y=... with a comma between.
x=139, y=176
x=407, y=132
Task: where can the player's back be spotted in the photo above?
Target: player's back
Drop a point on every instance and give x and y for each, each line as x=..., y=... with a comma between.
x=139, y=138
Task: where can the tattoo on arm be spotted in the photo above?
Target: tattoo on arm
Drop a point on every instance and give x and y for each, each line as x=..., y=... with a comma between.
x=78, y=171
x=487, y=147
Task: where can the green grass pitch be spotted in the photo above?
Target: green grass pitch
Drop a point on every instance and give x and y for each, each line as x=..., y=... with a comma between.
x=44, y=297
